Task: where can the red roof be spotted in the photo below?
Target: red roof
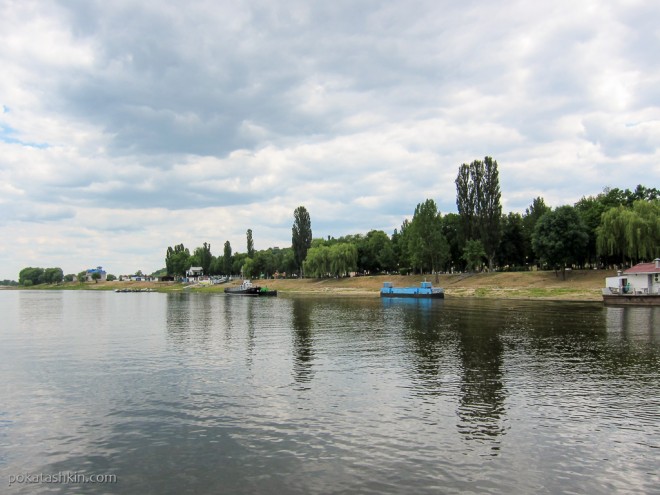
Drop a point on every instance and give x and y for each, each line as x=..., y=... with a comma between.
x=643, y=268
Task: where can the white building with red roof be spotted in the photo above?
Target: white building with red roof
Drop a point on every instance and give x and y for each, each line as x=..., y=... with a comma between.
x=641, y=279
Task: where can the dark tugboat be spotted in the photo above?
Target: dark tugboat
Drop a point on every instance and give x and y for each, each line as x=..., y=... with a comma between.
x=248, y=289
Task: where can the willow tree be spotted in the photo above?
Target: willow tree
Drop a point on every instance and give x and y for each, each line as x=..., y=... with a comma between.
x=632, y=233
x=317, y=261
x=343, y=259
x=648, y=229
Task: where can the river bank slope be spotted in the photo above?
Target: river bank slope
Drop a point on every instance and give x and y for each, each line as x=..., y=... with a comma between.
x=579, y=285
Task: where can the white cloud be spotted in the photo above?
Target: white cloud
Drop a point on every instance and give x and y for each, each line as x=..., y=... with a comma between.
x=129, y=126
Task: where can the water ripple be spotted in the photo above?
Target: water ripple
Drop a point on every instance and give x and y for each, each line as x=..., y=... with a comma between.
x=194, y=393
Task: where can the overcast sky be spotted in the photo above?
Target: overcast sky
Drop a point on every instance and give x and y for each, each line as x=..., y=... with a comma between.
x=129, y=126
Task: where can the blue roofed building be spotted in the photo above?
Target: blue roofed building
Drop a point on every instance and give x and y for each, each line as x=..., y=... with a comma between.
x=99, y=270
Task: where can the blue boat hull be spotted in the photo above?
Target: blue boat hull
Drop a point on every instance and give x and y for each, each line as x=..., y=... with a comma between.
x=412, y=293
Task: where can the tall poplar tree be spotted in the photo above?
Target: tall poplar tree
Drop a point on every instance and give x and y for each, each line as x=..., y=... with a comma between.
x=465, y=201
x=478, y=199
x=490, y=209
x=204, y=257
x=301, y=236
x=250, y=244
x=227, y=259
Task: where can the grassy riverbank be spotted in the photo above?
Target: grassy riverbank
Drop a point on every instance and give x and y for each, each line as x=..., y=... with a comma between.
x=580, y=285
x=583, y=285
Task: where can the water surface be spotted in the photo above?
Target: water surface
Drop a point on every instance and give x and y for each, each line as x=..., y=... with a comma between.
x=205, y=393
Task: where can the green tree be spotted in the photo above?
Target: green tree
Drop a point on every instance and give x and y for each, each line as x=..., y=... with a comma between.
x=177, y=260
x=452, y=230
x=474, y=255
x=301, y=236
x=560, y=238
x=428, y=247
x=96, y=276
x=631, y=232
x=250, y=243
x=53, y=275
x=591, y=210
x=490, y=209
x=265, y=263
x=531, y=217
x=203, y=258
x=31, y=276
x=512, y=244
x=216, y=265
x=378, y=255
x=404, y=244
x=248, y=269
x=466, y=200
x=317, y=262
x=478, y=199
x=110, y=278
x=397, y=247
x=617, y=197
x=237, y=261
x=335, y=260
x=646, y=232
x=227, y=260
x=82, y=277
x=343, y=259
x=287, y=262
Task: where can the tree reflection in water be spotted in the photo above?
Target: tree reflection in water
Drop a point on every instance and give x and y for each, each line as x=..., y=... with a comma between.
x=302, y=342
x=458, y=355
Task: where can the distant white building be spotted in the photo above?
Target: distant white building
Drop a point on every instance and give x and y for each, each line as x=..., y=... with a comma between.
x=194, y=272
x=643, y=278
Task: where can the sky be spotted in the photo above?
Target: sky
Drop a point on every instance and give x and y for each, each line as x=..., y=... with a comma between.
x=130, y=126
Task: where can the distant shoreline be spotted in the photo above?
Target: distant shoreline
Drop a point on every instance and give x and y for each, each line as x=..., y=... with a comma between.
x=580, y=285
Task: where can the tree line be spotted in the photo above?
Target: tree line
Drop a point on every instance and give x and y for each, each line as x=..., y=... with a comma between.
x=615, y=227
x=35, y=275
x=269, y=262
x=30, y=276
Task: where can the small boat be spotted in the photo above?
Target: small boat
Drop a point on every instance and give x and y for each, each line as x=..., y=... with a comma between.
x=247, y=288
x=424, y=291
x=637, y=286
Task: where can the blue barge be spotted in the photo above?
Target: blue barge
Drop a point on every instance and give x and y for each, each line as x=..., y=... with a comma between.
x=424, y=291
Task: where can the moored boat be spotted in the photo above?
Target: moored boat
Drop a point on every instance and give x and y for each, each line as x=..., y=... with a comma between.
x=247, y=288
x=637, y=286
x=424, y=291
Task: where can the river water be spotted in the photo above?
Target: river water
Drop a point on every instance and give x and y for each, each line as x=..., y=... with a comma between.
x=207, y=393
